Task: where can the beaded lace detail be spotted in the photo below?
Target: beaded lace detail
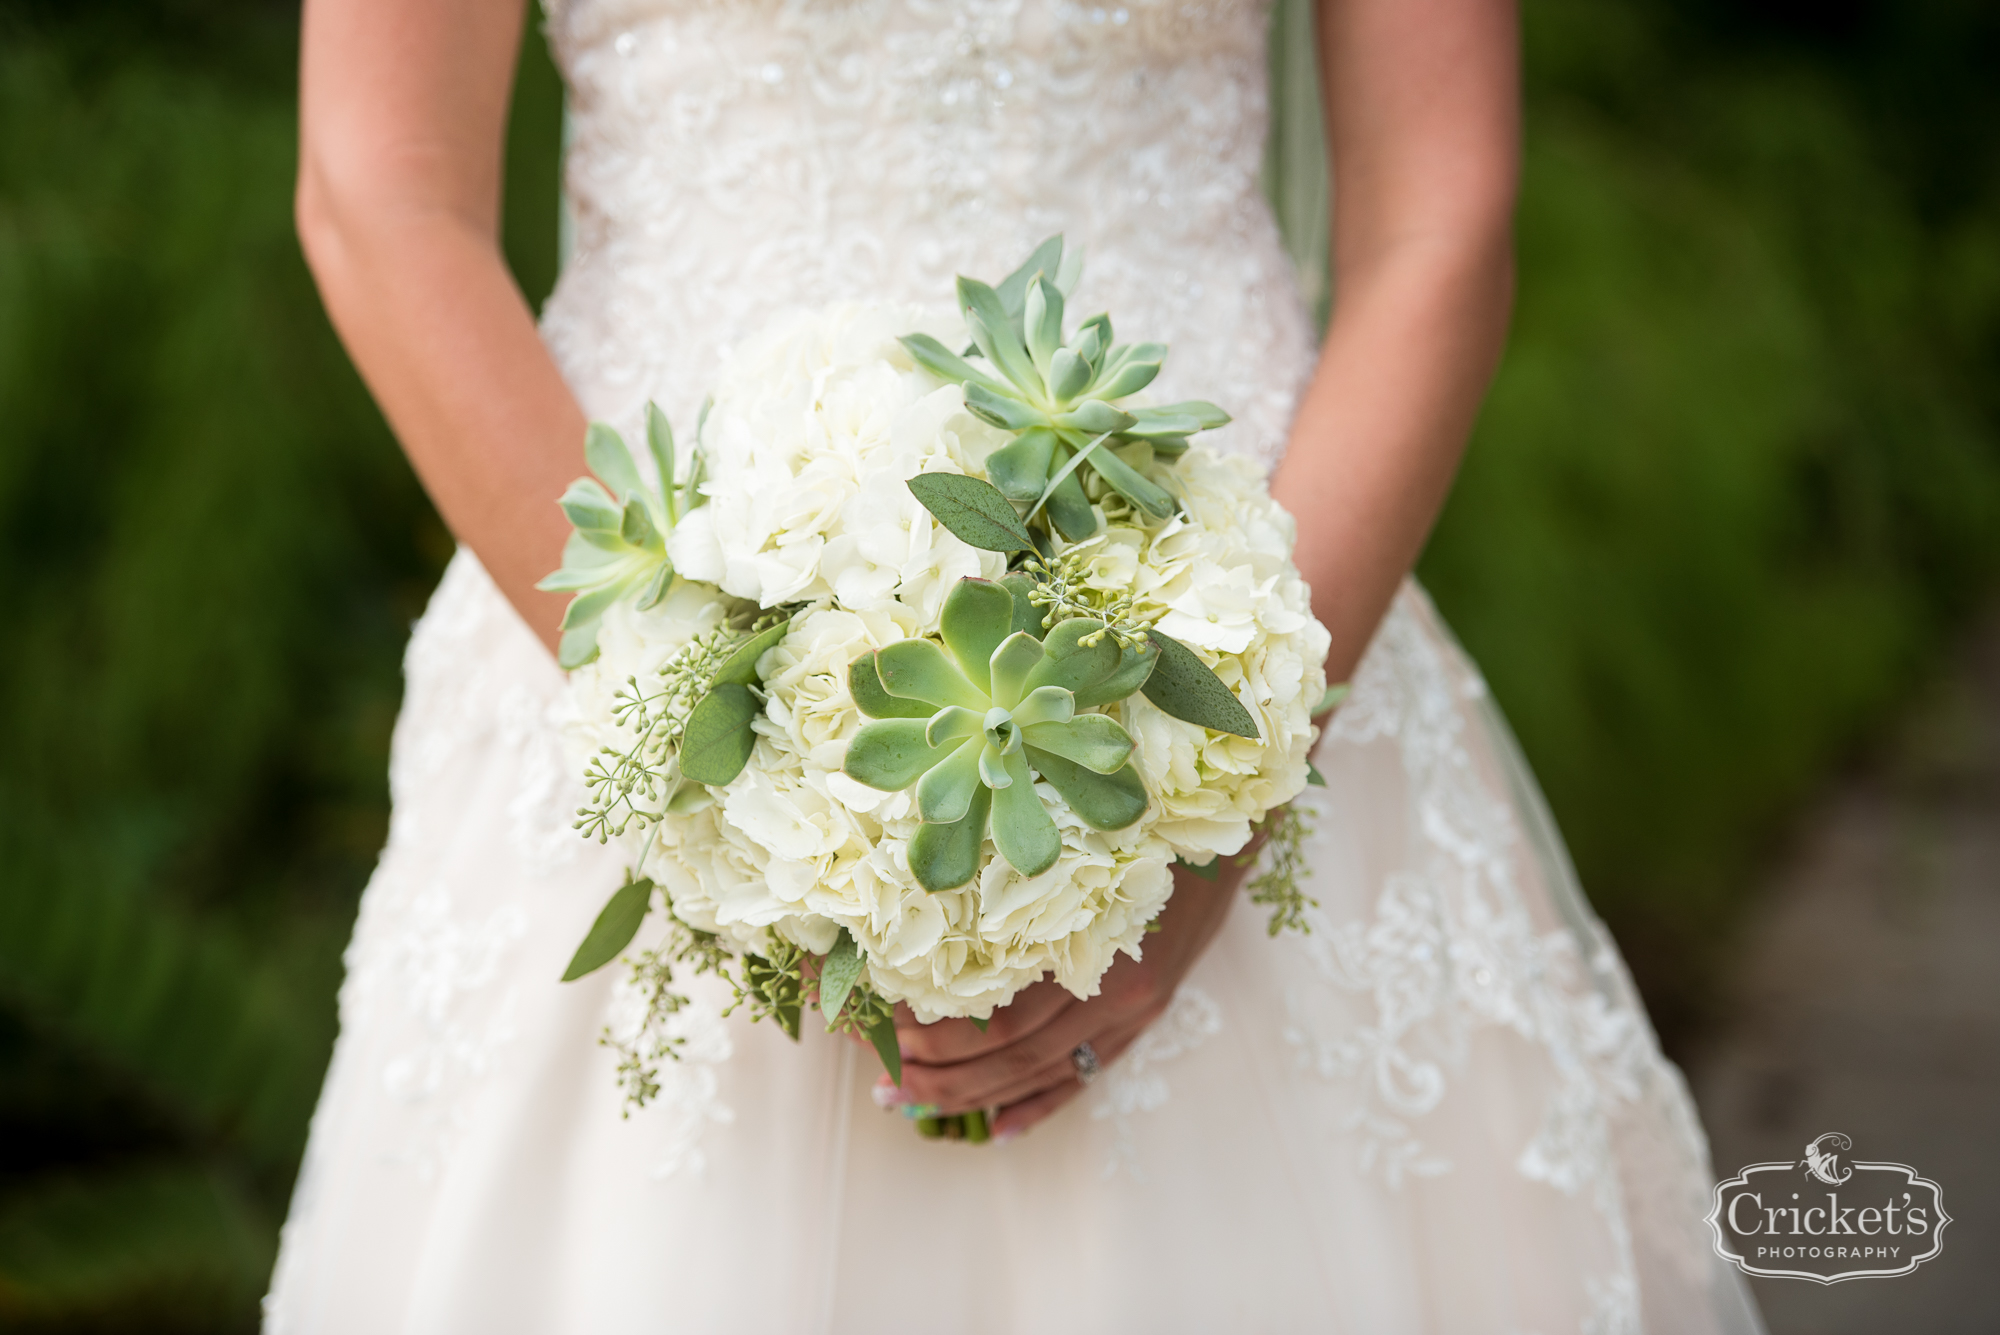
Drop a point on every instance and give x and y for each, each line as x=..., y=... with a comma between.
x=730, y=158
x=1453, y=945
x=1134, y=1083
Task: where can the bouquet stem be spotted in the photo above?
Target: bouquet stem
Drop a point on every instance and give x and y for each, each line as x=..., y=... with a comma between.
x=971, y=1127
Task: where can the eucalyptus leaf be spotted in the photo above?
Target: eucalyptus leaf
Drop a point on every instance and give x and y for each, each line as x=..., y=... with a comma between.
x=741, y=666
x=690, y=798
x=1313, y=776
x=883, y=1035
x=718, y=739
x=1184, y=686
x=617, y=923
x=838, y=973
x=1208, y=871
x=973, y=510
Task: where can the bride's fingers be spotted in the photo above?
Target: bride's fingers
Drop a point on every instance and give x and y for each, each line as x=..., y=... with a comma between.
x=973, y=1083
x=1036, y=1062
x=1107, y=1044
x=1016, y=1116
x=949, y=1041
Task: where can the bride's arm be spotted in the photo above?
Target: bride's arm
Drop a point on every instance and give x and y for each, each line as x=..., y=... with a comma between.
x=1423, y=131
x=403, y=107
x=1422, y=125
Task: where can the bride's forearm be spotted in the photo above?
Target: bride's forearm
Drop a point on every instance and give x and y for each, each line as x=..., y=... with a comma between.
x=1380, y=430
x=1422, y=115
x=433, y=320
x=403, y=110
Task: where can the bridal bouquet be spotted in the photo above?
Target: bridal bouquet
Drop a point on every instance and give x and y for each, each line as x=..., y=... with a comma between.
x=914, y=682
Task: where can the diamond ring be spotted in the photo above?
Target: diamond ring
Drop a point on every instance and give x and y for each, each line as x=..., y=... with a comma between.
x=1084, y=1059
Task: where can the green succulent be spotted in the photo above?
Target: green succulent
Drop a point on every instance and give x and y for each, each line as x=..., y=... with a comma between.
x=973, y=721
x=1060, y=397
x=619, y=543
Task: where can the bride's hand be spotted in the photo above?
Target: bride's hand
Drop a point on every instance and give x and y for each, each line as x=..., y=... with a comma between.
x=1021, y=1064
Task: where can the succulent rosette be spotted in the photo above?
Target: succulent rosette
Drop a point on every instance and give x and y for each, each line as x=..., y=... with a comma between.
x=944, y=651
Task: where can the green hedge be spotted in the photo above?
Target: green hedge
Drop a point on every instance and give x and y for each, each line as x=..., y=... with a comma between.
x=1738, y=474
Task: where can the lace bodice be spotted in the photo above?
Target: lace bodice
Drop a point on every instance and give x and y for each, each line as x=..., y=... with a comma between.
x=729, y=158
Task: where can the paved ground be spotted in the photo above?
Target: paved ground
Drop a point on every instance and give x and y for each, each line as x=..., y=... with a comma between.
x=1868, y=986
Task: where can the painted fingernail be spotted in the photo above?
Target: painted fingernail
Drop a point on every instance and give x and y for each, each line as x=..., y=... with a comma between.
x=886, y=1096
x=1009, y=1134
x=918, y=1112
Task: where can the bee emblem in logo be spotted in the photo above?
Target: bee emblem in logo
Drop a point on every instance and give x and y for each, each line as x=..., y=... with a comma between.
x=1823, y=1158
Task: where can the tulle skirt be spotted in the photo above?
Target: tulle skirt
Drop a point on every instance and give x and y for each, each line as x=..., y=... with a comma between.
x=1440, y=1110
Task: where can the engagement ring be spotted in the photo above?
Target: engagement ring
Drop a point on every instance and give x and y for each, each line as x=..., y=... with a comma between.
x=1084, y=1059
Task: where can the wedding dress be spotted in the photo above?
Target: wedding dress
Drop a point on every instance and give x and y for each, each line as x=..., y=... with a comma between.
x=1442, y=1110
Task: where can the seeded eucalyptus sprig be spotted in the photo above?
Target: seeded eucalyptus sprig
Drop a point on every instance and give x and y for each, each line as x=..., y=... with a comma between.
x=779, y=984
x=690, y=726
x=1059, y=396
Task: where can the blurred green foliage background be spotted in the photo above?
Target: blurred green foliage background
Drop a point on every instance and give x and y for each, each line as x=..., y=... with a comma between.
x=1738, y=481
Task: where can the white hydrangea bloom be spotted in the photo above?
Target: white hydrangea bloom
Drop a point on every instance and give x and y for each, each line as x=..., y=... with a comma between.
x=816, y=428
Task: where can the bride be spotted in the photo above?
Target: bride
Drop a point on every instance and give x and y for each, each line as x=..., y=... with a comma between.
x=1440, y=1110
